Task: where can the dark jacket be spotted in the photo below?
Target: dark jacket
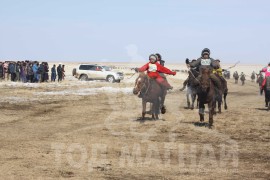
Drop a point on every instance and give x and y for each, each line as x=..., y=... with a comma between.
x=11, y=68
x=201, y=62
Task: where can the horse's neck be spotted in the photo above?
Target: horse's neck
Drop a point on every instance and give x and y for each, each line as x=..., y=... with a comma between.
x=146, y=84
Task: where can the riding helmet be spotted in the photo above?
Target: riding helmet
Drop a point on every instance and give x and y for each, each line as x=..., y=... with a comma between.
x=205, y=51
x=153, y=56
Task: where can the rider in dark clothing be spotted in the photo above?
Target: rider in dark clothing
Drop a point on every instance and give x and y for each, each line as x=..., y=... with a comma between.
x=205, y=61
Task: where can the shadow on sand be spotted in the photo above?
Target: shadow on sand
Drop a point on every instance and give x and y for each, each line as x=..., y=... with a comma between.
x=262, y=109
x=198, y=124
x=139, y=119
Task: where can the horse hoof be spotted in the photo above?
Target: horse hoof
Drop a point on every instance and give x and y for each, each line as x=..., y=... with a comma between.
x=163, y=110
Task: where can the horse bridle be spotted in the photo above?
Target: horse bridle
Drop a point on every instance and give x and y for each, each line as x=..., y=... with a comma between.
x=140, y=90
x=194, y=76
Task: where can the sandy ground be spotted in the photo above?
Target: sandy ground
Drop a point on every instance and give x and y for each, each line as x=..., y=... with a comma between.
x=89, y=130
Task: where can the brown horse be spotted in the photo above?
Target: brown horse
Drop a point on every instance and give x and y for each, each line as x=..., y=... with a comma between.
x=206, y=95
x=151, y=92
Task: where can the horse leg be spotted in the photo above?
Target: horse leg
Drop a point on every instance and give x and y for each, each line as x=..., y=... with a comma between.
x=193, y=96
x=201, y=111
x=157, y=109
x=162, y=100
x=219, y=107
x=188, y=101
x=215, y=106
x=219, y=103
x=150, y=110
x=143, y=109
x=211, y=110
x=225, y=101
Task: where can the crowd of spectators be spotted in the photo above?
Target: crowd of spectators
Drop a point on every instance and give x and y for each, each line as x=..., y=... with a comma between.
x=30, y=71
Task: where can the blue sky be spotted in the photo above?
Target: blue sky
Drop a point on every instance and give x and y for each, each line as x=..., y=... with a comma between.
x=125, y=30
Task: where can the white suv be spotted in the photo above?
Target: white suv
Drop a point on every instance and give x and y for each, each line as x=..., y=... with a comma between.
x=86, y=72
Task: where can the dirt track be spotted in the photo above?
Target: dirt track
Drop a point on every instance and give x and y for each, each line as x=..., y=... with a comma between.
x=46, y=135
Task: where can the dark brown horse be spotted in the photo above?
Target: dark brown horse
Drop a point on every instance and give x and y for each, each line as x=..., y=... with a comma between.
x=206, y=95
x=222, y=92
x=151, y=92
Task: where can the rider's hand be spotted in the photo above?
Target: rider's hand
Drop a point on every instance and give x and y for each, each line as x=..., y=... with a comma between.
x=174, y=73
x=136, y=69
x=187, y=61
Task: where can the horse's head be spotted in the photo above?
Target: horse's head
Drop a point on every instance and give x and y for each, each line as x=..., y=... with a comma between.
x=205, y=79
x=139, y=83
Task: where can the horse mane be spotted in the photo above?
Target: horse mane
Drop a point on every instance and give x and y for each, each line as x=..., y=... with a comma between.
x=142, y=75
x=206, y=71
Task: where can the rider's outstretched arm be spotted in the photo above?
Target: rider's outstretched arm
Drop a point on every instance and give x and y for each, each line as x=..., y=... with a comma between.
x=165, y=70
x=144, y=68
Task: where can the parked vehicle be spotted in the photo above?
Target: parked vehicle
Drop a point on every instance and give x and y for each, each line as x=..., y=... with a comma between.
x=86, y=72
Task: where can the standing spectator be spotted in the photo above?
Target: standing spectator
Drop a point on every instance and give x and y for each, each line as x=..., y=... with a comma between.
x=35, y=69
x=17, y=71
x=53, y=75
x=29, y=72
x=22, y=72
x=6, y=71
x=11, y=69
x=46, y=71
x=1, y=71
x=63, y=72
x=39, y=72
x=42, y=72
x=59, y=72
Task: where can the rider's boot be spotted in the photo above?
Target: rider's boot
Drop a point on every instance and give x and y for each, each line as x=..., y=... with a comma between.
x=164, y=83
x=167, y=85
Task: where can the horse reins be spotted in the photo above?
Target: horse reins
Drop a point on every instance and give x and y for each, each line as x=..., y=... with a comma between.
x=194, y=76
x=140, y=90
